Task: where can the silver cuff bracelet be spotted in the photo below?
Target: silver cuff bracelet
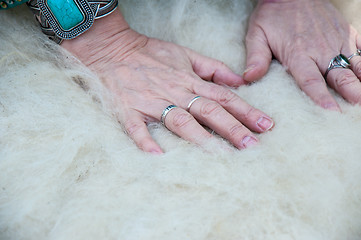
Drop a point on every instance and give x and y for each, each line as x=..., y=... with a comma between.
x=60, y=19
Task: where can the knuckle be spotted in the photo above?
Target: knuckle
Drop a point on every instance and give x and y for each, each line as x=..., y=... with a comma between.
x=209, y=108
x=322, y=47
x=298, y=49
x=345, y=79
x=236, y=130
x=132, y=127
x=254, y=36
x=149, y=93
x=184, y=76
x=302, y=45
x=299, y=45
x=299, y=38
x=181, y=119
x=225, y=97
x=310, y=82
x=247, y=115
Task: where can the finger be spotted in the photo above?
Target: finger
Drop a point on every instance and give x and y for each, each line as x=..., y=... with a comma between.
x=259, y=55
x=251, y=117
x=310, y=80
x=355, y=62
x=345, y=82
x=351, y=50
x=354, y=56
x=185, y=126
x=217, y=118
x=214, y=70
x=137, y=130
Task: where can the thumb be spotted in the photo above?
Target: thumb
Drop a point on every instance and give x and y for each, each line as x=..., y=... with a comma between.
x=213, y=70
x=259, y=55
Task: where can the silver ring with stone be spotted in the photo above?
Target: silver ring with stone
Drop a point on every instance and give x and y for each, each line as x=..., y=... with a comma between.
x=192, y=101
x=165, y=112
x=357, y=53
x=340, y=61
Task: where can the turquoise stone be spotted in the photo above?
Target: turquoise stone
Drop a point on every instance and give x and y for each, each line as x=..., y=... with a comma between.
x=66, y=12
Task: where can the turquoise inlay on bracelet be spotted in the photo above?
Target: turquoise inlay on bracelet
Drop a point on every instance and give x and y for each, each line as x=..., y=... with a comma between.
x=67, y=18
x=66, y=12
x=6, y=4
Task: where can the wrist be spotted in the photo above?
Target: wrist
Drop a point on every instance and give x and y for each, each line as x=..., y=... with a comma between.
x=109, y=38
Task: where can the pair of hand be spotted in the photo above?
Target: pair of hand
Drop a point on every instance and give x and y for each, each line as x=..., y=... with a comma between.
x=146, y=75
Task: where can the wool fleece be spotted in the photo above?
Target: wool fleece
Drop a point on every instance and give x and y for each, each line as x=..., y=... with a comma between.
x=68, y=170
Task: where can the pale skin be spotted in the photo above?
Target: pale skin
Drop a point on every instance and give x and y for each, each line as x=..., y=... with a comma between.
x=145, y=75
x=304, y=35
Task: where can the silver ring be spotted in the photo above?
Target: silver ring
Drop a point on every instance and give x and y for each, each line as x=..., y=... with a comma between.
x=340, y=61
x=192, y=101
x=165, y=112
x=357, y=53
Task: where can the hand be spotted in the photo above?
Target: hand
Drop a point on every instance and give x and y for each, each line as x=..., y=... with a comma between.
x=304, y=35
x=146, y=75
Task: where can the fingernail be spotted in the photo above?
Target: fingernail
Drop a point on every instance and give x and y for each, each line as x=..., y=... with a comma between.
x=156, y=152
x=332, y=107
x=265, y=123
x=249, y=141
x=249, y=68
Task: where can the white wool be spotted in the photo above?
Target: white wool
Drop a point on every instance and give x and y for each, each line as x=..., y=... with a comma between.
x=68, y=171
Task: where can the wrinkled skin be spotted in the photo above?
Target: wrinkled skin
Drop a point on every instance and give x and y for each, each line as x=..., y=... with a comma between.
x=304, y=35
x=145, y=75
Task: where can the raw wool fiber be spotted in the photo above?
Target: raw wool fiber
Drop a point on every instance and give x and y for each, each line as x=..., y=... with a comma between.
x=68, y=171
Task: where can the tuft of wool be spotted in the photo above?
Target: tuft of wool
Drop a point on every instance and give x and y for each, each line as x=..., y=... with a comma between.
x=68, y=170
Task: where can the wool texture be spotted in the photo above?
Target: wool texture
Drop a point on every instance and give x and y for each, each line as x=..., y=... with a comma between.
x=68, y=170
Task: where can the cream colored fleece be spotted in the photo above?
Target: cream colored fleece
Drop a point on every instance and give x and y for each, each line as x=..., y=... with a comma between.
x=68, y=171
